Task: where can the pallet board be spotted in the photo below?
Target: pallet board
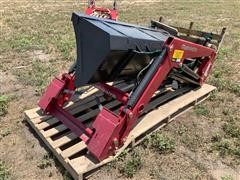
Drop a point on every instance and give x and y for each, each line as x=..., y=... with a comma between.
x=72, y=152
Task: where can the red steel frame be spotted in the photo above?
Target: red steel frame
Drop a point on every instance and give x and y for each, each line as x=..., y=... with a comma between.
x=109, y=131
x=112, y=13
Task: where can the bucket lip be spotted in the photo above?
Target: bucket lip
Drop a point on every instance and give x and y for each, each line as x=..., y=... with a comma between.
x=80, y=15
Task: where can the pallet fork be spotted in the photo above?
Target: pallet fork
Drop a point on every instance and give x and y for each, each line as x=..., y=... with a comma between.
x=151, y=59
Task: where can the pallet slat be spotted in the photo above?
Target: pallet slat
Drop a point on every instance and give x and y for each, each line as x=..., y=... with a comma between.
x=64, y=140
x=54, y=131
x=73, y=150
x=170, y=108
x=94, y=112
x=80, y=164
x=48, y=123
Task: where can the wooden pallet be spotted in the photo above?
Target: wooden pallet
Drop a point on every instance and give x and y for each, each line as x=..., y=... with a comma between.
x=71, y=151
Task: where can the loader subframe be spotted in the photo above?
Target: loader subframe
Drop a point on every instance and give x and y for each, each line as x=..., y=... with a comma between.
x=110, y=129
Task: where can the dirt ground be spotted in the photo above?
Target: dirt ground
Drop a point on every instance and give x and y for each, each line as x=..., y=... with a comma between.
x=37, y=42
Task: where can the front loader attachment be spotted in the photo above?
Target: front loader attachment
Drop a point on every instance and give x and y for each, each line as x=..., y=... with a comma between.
x=148, y=60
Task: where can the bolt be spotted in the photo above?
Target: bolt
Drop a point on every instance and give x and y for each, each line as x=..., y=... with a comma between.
x=130, y=115
x=115, y=141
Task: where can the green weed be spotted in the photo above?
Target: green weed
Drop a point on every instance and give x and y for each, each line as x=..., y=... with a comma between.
x=227, y=177
x=4, y=100
x=45, y=162
x=216, y=138
x=122, y=156
x=67, y=176
x=217, y=74
x=227, y=144
x=234, y=88
x=223, y=147
x=227, y=147
x=4, y=133
x=220, y=83
x=4, y=171
x=231, y=129
x=26, y=42
x=130, y=167
x=162, y=143
x=201, y=110
x=227, y=85
x=50, y=174
x=230, y=86
x=222, y=70
x=182, y=130
x=223, y=52
x=192, y=140
x=65, y=45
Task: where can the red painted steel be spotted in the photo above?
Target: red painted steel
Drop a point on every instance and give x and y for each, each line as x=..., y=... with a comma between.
x=113, y=92
x=53, y=90
x=109, y=130
x=72, y=123
x=106, y=128
x=58, y=92
x=160, y=76
x=101, y=12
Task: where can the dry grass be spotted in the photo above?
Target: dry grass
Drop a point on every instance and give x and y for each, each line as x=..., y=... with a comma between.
x=37, y=42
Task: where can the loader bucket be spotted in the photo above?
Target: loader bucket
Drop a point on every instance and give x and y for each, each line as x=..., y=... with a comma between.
x=108, y=50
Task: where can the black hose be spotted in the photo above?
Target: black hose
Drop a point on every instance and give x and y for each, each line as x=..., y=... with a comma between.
x=147, y=78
